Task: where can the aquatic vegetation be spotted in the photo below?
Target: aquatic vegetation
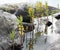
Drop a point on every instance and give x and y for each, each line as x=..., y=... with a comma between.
x=31, y=14
x=46, y=12
x=31, y=44
x=38, y=10
x=37, y=35
x=21, y=29
x=12, y=36
x=39, y=6
x=31, y=11
x=46, y=7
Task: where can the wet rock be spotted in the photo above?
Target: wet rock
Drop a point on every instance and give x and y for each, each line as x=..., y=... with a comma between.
x=12, y=11
x=48, y=23
x=24, y=13
x=57, y=17
x=16, y=47
x=21, y=12
x=30, y=26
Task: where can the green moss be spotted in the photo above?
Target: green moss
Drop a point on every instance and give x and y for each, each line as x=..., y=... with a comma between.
x=38, y=34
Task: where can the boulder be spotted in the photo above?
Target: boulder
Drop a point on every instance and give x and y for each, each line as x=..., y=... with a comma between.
x=7, y=23
x=24, y=13
x=48, y=23
x=58, y=17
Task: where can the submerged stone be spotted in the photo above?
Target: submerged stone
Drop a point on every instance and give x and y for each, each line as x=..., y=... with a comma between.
x=48, y=23
x=57, y=17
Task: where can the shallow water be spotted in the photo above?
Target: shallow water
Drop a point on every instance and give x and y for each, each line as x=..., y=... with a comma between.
x=51, y=36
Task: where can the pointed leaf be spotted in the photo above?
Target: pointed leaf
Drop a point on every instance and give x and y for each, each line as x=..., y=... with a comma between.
x=12, y=35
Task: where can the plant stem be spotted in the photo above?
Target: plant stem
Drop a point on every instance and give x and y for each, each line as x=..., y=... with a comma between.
x=26, y=40
x=21, y=39
x=13, y=44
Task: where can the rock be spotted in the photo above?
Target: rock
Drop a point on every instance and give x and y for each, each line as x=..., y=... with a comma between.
x=24, y=13
x=16, y=47
x=30, y=26
x=12, y=11
x=57, y=17
x=5, y=46
x=17, y=10
x=8, y=8
x=7, y=23
x=48, y=23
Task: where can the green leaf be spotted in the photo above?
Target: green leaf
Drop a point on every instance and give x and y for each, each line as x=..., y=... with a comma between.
x=46, y=5
x=12, y=35
x=31, y=11
x=17, y=20
x=21, y=18
x=46, y=12
x=52, y=12
x=38, y=34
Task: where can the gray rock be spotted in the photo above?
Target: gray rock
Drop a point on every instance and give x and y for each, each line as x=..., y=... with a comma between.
x=7, y=23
